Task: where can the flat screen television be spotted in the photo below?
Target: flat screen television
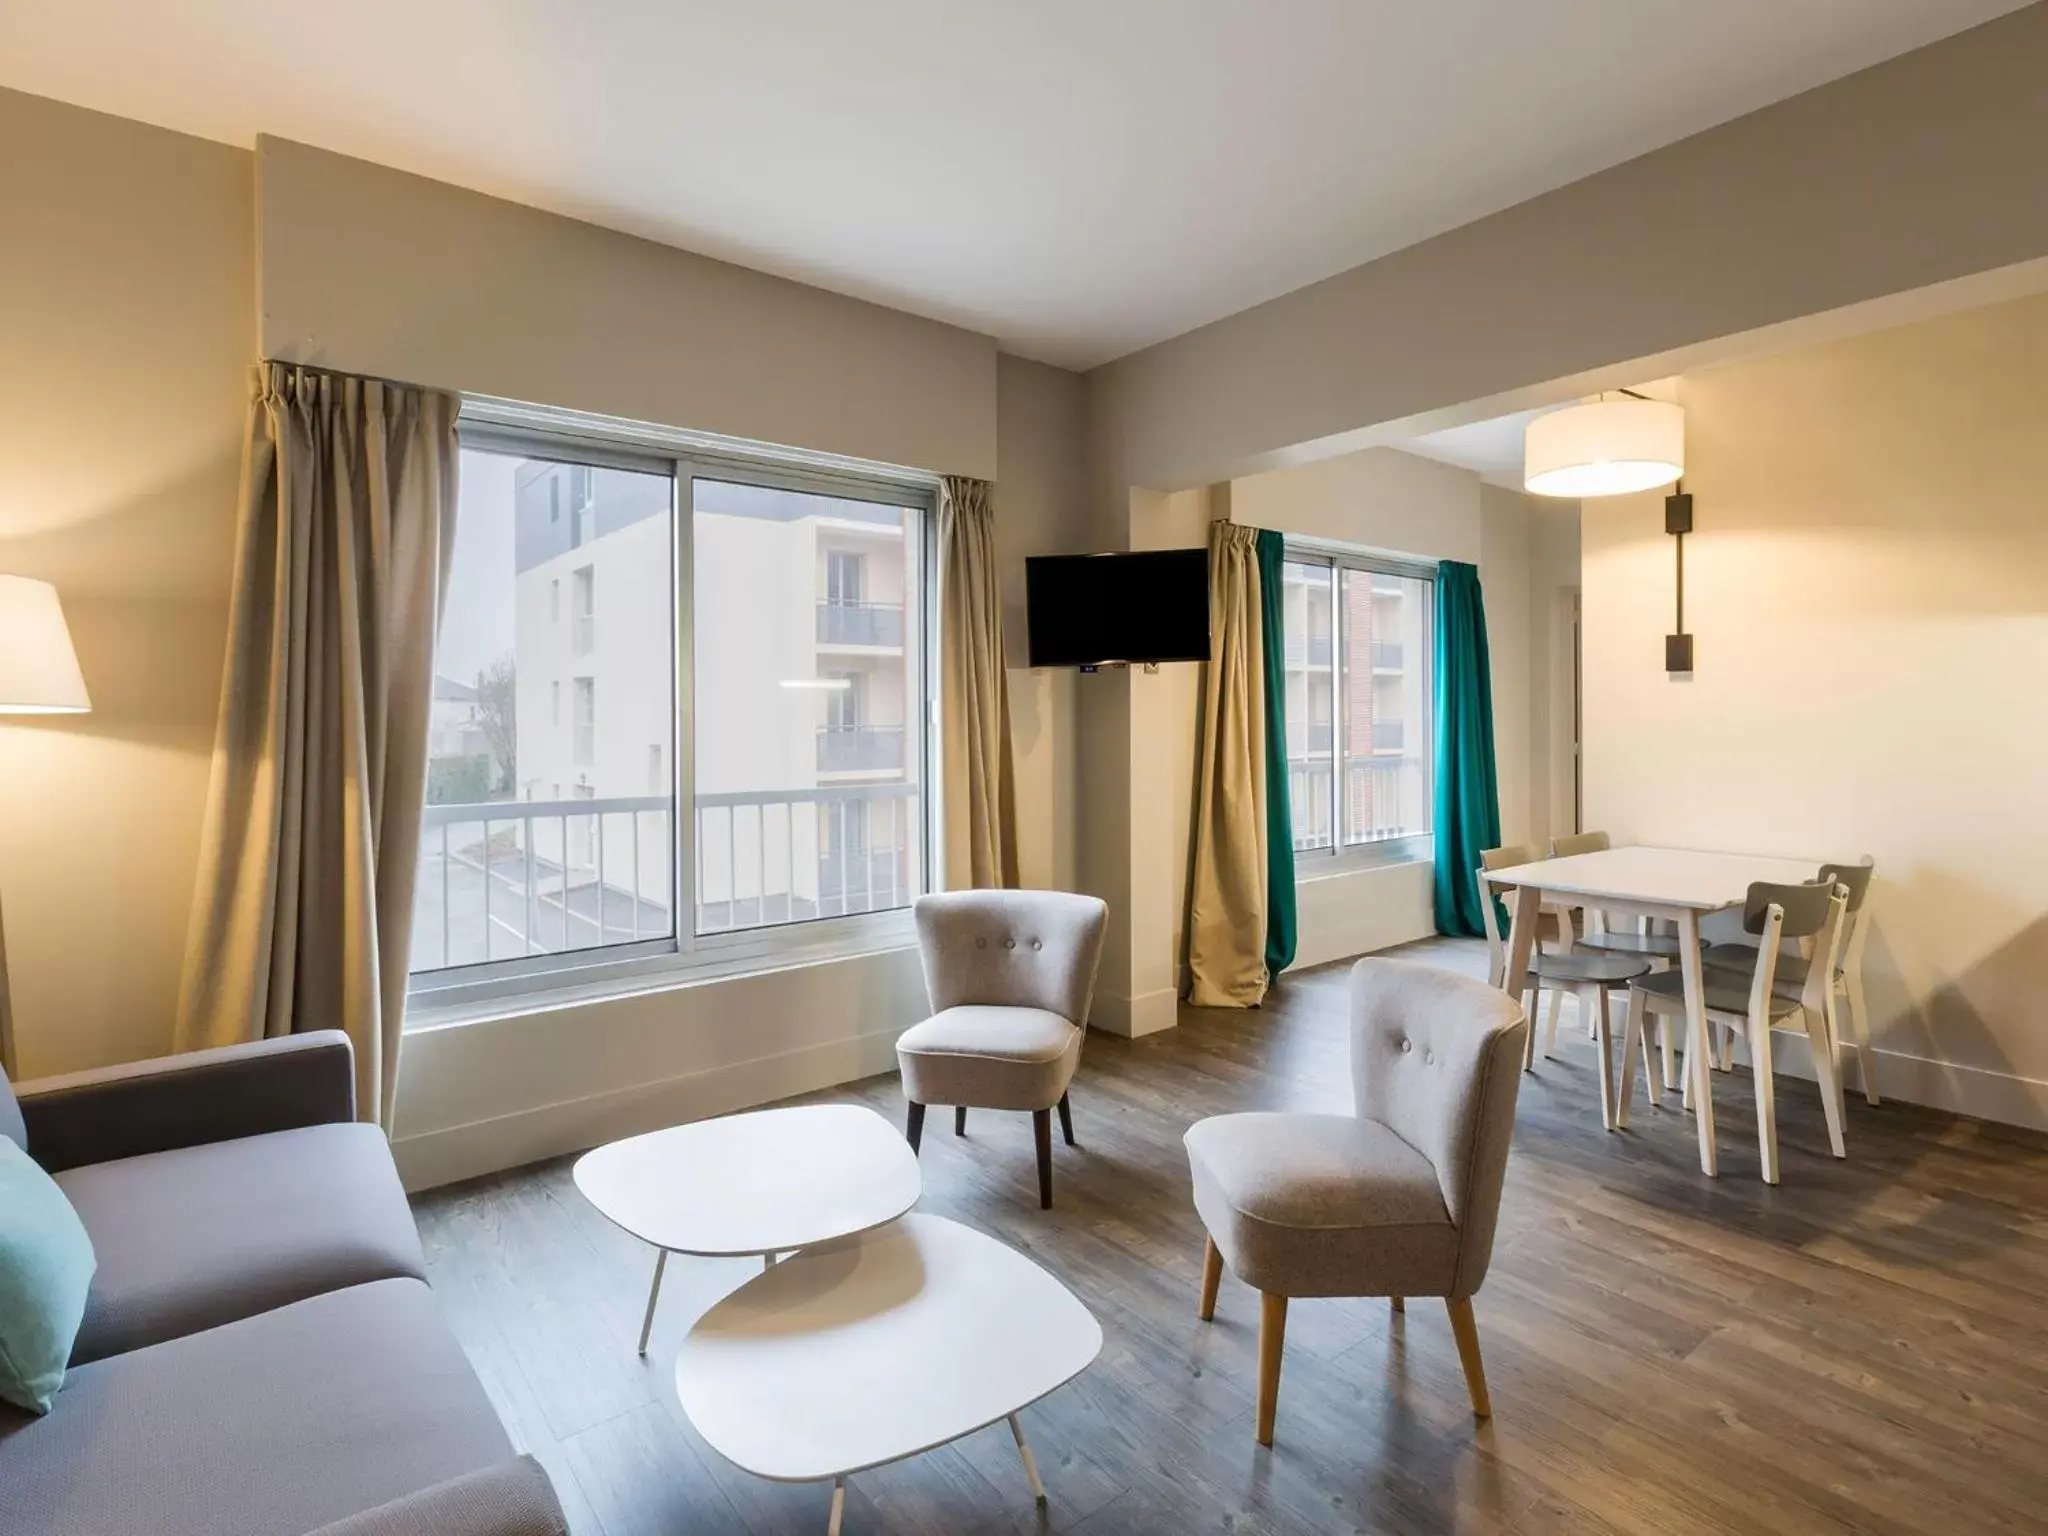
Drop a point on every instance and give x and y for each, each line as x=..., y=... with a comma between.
x=1094, y=610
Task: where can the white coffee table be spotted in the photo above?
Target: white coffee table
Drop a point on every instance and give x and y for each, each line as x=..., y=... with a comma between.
x=865, y=1351
x=754, y=1184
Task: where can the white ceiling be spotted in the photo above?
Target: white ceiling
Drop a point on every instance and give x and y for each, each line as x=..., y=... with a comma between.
x=1078, y=178
x=1492, y=449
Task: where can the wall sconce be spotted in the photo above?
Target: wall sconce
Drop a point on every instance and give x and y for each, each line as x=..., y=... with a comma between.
x=1678, y=523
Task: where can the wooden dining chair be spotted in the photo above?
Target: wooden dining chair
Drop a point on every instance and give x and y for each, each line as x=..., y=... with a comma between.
x=1845, y=996
x=1590, y=977
x=1773, y=913
x=1645, y=938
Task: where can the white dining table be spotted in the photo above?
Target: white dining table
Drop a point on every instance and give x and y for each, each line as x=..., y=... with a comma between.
x=1681, y=885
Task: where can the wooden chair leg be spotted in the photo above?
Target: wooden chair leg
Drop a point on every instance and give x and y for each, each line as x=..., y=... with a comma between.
x=1764, y=1080
x=1466, y=1332
x=1066, y=1120
x=1853, y=1009
x=913, y=1125
x=1041, y=1130
x=1272, y=1337
x=1398, y=1303
x=959, y=1119
x=1212, y=1276
x=1593, y=1003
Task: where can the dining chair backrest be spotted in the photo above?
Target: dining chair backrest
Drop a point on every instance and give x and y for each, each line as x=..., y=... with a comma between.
x=1805, y=907
x=1855, y=878
x=1580, y=842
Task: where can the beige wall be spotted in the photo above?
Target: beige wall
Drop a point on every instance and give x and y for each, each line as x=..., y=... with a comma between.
x=127, y=324
x=1041, y=509
x=1924, y=168
x=374, y=271
x=1400, y=504
x=1868, y=591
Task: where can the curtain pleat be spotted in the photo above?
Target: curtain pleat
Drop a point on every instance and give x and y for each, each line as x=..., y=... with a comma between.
x=302, y=917
x=978, y=796
x=1467, y=792
x=1227, y=892
x=1281, y=919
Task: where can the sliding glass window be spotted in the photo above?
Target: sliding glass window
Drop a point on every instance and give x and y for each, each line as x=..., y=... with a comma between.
x=668, y=683
x=1357, y=633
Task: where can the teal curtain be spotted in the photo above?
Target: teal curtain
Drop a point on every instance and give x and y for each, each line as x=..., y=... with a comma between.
x=1467, y=793
x=1281, y=922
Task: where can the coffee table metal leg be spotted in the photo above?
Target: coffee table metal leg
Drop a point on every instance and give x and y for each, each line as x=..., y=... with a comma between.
x=838, y=1506
x=1030, y=1465
x=653, y=1295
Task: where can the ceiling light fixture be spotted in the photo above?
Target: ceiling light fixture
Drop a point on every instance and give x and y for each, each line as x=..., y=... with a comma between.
x=1606, y=447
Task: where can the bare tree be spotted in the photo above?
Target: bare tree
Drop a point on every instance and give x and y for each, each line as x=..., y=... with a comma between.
x=497, y=691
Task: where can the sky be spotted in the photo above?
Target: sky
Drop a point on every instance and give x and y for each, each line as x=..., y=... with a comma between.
x=477, y=623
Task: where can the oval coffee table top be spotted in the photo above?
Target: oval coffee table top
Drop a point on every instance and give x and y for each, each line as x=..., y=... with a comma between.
x=865, y=1351
x=763, y=1182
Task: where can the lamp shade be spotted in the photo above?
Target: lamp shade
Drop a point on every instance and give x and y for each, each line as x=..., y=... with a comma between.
x=38, y=669
x=1604, y=448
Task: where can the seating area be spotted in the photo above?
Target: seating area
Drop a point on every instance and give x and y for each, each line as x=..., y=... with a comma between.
x=259, y=1350
x=1133, y=770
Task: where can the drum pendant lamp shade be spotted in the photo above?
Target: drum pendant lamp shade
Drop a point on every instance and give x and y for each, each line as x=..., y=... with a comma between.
x=1604, y=448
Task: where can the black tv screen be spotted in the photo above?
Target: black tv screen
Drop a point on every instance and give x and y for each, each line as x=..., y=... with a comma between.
x=1091, y=610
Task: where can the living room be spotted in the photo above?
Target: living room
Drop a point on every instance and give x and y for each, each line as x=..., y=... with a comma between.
x=743, y=388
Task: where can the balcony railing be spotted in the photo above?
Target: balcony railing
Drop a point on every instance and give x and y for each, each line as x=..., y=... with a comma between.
x=860, y=748
x=507, y=880
x=1388, y=735
x=1382, y=799
x=844, y=623
x=1387, y=655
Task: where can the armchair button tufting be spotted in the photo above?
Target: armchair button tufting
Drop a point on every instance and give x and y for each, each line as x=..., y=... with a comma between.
x=981, y=943
x=1429, y=1058
x=1035, y=944
x=1407, y=1045
x=1009, y=943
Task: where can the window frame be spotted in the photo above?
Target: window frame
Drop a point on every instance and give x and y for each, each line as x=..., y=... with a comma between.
x=494, y=988
x=1340, y=857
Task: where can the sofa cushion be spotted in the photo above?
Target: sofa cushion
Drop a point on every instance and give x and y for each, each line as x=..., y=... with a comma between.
x=269, y=1426
x=45, y=1273
x=199, y=1236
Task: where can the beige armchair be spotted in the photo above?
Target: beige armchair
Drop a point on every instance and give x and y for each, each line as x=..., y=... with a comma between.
x=1011, y=975
x=1398, y=1198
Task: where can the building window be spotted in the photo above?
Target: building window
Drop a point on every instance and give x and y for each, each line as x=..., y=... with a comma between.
x=586, y=609
x=584, y=728
x=1357, y=634
x=757, y=780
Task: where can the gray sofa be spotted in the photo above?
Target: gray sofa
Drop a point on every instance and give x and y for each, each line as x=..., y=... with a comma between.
x=260, y=1353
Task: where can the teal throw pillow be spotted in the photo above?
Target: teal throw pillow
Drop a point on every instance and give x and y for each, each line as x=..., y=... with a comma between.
x=46, y=1267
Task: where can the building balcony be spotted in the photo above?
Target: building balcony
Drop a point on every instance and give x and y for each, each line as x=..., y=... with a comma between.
x=1309, y=651
x=860, y=749
x=1387, y=656
x=876, y=624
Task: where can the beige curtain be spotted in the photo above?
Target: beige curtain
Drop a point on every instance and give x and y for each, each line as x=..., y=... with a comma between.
x=303, y=913
x=979, y=800
x=1227, y=886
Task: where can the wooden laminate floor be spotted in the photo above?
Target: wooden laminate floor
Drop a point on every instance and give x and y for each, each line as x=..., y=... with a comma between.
x=1863, y=1348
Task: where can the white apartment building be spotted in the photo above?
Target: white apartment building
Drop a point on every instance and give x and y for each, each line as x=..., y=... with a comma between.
x=806, y=781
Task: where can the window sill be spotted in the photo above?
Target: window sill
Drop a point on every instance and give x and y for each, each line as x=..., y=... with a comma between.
x=1314, y=868
x=456, y=1004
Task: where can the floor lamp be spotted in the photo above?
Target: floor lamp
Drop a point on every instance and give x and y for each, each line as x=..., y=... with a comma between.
x=38, y=676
